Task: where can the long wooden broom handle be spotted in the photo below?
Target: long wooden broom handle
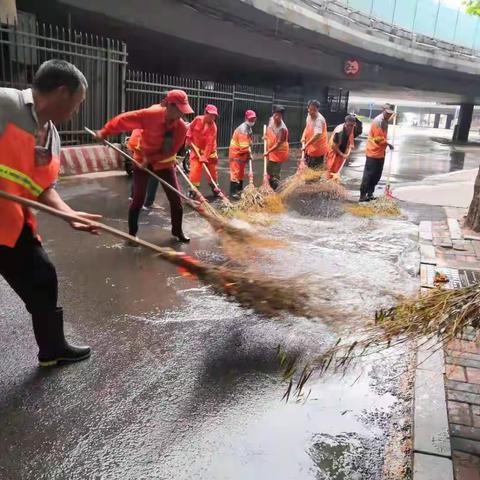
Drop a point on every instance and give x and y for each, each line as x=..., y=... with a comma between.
x=264, y=150
x=141, y=167
x=165, y=253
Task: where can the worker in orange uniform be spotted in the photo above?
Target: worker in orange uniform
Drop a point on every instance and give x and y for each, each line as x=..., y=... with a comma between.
x=163, y=135
x=277, y=145
x=315, y=136
x=240, y=152
x=202, y=140
x=341, y=145
x=29, y=166
x=376, y=147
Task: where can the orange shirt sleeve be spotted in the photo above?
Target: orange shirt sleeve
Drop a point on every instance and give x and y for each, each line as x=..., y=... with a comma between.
x=125, y=122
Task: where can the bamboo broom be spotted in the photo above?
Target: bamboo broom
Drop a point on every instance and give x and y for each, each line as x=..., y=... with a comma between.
x=265, y=294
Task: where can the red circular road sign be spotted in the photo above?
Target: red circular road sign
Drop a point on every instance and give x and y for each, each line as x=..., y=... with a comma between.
x=352, y=67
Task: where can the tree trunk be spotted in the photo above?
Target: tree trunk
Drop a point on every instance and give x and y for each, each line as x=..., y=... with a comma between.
x=473, y=217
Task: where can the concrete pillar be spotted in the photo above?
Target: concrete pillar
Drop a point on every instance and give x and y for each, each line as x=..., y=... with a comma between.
x=448, y=122
x=436, y=121
x=8, y=11
x=464, y=122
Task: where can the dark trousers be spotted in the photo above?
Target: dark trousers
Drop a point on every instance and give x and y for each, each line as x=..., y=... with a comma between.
x=28, y=270
x=151, y=191
x=372, y=174
x=140, y=184
x=314, y=162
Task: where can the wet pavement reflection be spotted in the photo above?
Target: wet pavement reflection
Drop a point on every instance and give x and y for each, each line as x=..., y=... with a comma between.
x=185, y=385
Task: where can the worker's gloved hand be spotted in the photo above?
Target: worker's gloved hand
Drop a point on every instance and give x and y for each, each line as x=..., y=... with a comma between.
x=204, y=159
x=390, y=146
x=85, y=227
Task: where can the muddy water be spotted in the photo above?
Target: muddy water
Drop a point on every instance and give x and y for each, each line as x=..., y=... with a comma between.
x=242, y=430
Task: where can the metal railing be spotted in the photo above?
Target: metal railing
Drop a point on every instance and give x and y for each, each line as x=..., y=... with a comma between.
x=144, y=89
x=430, y=24
x=24, y=46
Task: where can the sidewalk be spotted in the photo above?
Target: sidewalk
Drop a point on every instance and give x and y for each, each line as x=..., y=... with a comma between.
x=449, y=249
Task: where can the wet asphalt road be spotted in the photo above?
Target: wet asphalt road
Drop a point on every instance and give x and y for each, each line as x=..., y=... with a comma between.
x=182, y=384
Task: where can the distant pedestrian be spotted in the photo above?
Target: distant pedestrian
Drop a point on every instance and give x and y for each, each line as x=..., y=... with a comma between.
x=376, y=146
x=341, y=145
x=29, y=166
x=240, y=152
x=315, y=136
x=277, y=145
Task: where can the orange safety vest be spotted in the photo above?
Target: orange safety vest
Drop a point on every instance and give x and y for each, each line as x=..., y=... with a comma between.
x=241, y=143
x=377, y=138
x=20, y=176
x=280, y=155
x=332, y=156
x=320, y=147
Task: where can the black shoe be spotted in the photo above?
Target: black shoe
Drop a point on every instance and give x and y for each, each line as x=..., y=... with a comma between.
x=371, y=197
x=363, y=198
x=181, y=237
x=192, y=194
x=53, y=348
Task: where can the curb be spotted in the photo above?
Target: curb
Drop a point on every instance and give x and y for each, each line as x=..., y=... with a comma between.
x=88, y=159
x=432, y=454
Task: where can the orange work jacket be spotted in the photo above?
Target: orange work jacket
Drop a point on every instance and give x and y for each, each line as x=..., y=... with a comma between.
x=280, y=155
x=377, y=138
x=25, y=170
x=160, y=140
x=204, y=137
x=241, y=143
x=320, y=147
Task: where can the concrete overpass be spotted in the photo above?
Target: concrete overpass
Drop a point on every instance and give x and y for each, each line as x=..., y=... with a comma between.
x=291, y=43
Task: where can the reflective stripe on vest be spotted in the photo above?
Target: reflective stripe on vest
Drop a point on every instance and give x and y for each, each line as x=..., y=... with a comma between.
x=21, y=179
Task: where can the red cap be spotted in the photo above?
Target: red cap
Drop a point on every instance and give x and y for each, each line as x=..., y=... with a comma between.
x=211, y=109
x=180, y=99
x=250, y=115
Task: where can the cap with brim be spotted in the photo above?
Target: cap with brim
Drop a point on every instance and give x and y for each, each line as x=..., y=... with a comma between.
x=278, y=109
x=211, y=109
x=389, y=108
x=250, y=115
x=180, y=99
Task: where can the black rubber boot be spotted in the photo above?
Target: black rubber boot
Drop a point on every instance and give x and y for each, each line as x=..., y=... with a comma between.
x=53, y=348
x=363, y=198
x=234, y=190
x=371, y=197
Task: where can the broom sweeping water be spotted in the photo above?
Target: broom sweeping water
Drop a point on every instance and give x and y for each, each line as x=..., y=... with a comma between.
x=431, y=320
x=265, y=294
x=251, y=200
x=220, y=225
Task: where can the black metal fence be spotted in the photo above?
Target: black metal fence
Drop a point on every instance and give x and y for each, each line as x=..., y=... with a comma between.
x=27, y=44
x=144, y=89
x=113, y=88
